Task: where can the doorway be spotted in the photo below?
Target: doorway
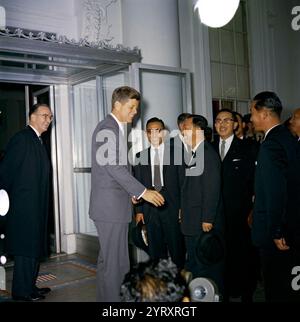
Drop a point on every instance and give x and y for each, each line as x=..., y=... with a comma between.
x=15, y=100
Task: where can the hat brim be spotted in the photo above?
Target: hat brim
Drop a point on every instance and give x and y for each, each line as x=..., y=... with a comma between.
x=210, y=248
x=137, y=238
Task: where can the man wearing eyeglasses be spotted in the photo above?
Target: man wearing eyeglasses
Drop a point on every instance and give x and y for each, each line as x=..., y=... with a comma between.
x=237, y=190
x=24, y=174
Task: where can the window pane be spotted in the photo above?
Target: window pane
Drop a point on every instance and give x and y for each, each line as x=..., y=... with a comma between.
x=216, y=80
x=229, y=81
x=227, y=47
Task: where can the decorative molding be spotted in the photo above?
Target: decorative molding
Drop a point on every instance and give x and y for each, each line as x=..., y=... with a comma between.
x=95, y=21
x=52, y=38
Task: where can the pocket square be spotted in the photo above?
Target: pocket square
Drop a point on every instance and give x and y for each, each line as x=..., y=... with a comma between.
x=235, y=160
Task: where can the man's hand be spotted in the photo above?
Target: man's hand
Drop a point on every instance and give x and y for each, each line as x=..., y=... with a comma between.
x=139, y=217
x=153, y=197
x=281, y=244
x=206, y=226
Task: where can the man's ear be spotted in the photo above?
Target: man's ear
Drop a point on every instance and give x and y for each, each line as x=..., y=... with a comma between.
x=117, y=106
x=235, y=125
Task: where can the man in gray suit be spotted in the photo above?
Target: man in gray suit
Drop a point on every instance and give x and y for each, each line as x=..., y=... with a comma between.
x=113, y=189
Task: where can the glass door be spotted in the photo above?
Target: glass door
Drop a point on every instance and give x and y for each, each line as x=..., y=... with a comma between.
x=91, y=103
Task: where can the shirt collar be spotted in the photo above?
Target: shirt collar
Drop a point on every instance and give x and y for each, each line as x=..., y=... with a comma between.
x=196, y=147
x=228, y=140
x=270, y=130
x=36, y=131
x=121, y=124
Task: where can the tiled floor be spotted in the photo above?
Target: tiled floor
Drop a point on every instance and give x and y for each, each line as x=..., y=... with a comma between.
x=72, y=278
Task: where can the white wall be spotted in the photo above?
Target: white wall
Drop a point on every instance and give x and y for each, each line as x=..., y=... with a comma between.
x=55, y=16
x=274, y=50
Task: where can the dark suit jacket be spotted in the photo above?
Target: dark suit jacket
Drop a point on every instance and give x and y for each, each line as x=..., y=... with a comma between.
x=238, y=169
x=277, y=182
x=24, y=174
x=171, y=192
x=201, y=195
x=112, y=184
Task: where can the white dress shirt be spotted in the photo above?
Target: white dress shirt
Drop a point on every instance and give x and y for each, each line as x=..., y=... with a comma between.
x=121, y=124
x=228, y=142
x=161, y=149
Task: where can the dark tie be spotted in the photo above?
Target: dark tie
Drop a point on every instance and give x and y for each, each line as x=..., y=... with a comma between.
x=222, y=152
x=157, y=178
x=41, y=141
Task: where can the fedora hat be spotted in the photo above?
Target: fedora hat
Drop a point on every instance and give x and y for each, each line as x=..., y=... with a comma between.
x=139, y=236
x=210, y=248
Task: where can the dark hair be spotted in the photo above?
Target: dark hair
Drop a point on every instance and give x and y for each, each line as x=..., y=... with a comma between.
x=123, y=94
x=199, y=121
x=227, y=110
x=34, y=107
x=247, y=118
x=156, y=119
x=153, y=282
x=268, y=100
x=182, y=117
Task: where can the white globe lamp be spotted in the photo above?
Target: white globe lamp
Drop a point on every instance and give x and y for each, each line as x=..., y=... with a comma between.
x=216, y=13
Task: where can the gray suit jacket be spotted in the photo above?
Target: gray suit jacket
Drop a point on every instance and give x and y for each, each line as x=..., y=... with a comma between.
x=112, y=185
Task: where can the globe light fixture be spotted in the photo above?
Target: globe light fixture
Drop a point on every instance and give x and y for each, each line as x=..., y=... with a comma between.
x=216, y=13
x=4, y=202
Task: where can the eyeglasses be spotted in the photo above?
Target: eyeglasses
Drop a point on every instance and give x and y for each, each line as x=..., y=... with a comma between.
x=46, y=116
x=226, y=121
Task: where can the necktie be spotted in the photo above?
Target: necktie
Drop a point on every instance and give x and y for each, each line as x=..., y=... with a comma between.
x=157, y=178
x=222, y=152
x=41, y=141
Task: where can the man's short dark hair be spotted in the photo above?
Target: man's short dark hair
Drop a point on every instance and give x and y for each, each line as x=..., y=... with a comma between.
x=34, y=107
x=153, y=282
x=156, y=119
x=268, y=100
x=123, y=94
x=182, y=117
x=199, y=121
x=247, y=118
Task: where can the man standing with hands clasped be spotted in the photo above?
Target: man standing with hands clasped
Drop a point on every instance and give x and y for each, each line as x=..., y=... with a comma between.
x=113, y=189
x=24, y=174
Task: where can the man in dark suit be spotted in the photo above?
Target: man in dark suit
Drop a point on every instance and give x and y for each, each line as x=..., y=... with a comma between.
x=201, y=198
x=276, y=216
x=112, y=190
x=24, y=174
x=163, y=227
x=238, y=167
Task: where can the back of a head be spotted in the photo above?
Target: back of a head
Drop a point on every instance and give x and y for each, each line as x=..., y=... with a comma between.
x=268, y=100
x=153, y=282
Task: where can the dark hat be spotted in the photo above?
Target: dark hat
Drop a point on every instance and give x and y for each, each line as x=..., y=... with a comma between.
x=210, y=248
x=139, y=238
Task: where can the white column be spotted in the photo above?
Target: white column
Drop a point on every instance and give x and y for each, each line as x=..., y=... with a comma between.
x=152, y=25
x=194, y=45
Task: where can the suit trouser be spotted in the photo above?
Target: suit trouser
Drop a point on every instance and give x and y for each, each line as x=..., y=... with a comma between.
x=215, y=272
x=277, y=274
x=165, y=236
x=113, y=260
x=24, y=275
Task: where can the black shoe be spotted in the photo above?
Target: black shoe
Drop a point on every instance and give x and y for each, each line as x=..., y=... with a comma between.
x=43, y=290
x=29, y=298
